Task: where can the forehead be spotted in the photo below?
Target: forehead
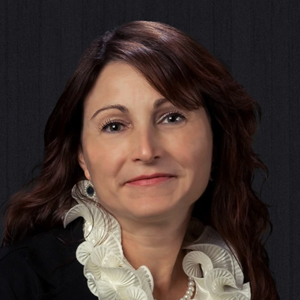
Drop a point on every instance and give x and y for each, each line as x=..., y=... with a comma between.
x=120, y=82
x=117, y=69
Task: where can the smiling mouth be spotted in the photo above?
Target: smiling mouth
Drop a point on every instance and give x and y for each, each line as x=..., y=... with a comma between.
x=150, y=180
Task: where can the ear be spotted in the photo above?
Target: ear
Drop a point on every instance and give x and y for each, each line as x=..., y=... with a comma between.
x=83, y=165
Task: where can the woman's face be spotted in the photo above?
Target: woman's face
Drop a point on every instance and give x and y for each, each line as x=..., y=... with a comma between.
x=146, y=158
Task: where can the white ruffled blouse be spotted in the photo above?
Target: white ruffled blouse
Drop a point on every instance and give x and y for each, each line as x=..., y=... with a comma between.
x=209, y=261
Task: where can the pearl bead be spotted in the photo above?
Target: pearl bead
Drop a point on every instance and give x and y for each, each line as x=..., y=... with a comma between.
x=190, y=290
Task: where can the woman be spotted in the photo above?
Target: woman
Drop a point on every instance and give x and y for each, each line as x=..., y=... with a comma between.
x=151, y=145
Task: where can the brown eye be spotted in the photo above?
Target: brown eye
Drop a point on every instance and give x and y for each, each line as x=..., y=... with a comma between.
x=172, y=118
x=112, y=127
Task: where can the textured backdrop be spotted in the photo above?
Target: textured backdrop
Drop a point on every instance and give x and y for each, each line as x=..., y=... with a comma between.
x=42, y=41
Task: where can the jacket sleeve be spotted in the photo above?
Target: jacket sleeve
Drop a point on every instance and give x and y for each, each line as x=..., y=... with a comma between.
x=6, y=292
x=18, y=281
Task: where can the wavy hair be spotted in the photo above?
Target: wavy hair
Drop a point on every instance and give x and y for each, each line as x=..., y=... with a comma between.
x=189, y=76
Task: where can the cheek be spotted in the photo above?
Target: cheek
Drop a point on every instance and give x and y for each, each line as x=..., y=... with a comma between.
x=194, y=152
x=202, y=150
x=102, y=160
x=198, y=166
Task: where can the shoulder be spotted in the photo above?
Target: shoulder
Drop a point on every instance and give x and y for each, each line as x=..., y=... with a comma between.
x=44, y=266
x=14, y=267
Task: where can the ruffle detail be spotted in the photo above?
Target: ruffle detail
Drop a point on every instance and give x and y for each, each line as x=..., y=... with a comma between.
x=109, y=275
x=209, y=261
x=215, y=269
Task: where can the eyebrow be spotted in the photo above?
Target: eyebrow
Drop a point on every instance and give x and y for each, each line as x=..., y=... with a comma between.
x=123, y=109
x=120, y=107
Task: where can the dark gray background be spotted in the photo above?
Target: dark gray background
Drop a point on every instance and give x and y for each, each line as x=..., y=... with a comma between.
x=41, y=42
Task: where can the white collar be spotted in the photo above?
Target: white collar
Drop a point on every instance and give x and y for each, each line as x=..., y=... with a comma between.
x=110, y=276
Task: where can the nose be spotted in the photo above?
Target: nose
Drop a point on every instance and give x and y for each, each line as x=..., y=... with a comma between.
x=146, y=146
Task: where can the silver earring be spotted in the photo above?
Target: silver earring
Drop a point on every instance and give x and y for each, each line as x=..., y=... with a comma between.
x=84, y=189
x=89, y=189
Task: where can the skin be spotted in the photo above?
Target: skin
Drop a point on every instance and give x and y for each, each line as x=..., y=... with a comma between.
x=147, y=135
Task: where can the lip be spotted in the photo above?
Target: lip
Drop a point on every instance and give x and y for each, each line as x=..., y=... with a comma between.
x=152, y=179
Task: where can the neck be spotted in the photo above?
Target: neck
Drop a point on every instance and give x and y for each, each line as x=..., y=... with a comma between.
x=158, y=246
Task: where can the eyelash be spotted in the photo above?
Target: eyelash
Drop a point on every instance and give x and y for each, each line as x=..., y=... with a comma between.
x=110, y=122
x=171, y=113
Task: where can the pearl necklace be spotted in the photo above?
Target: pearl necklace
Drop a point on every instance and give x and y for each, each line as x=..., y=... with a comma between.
x=190, y=290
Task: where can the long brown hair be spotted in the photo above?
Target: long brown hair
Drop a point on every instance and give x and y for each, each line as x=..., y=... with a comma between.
x=185, y=73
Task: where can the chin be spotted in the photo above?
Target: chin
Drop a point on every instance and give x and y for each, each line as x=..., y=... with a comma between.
x=155, y=211
x=154, y=207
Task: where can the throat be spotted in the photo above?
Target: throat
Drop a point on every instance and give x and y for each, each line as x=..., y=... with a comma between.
x=183, y=290
x=173, y=285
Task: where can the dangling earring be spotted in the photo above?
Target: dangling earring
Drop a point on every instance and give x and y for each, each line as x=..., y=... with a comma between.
x=89, y=189
x=84, y=189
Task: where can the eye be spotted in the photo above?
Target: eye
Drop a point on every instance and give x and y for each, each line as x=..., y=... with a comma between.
x=171, y=118
x=112, y=126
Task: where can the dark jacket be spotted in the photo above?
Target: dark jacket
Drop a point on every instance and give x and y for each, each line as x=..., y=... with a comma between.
x=44, y=267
